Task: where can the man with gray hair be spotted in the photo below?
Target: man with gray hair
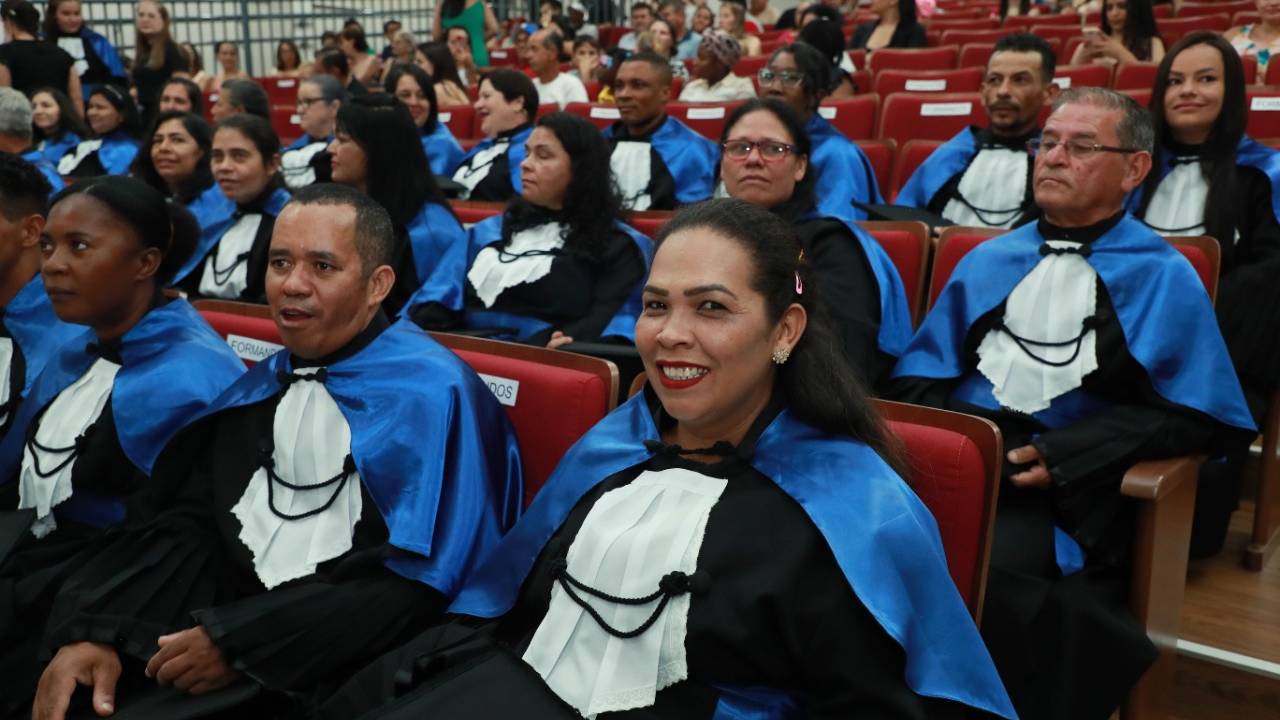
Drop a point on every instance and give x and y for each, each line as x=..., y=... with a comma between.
x=15, y=135
x=306, y=160
x=239, y=95
x=1090, y=341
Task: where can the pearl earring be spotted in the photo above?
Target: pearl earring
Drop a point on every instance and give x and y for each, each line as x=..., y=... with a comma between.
x=781, y=355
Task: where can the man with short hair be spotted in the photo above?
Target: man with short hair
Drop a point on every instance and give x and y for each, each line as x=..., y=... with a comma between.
x=458, y=39
x=657, y=161
x=389, y=30
x=982, y=176
x=641, y=16
x=1090, y=341
x=762, y=13
x=553, y=86
x=686, y=41
x=334, y=63
x=16, y=135
x=240, y=95
x=306, y=160
x=331, y=501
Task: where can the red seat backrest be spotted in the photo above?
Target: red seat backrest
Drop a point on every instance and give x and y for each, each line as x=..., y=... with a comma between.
x=649, y=222
x=1264, y=112
x=1190, y=9
x=1135, y=76
x=1172, y=29
x=1082, y=75
x=966, y=79
x=976, y=54
x=1142, y=96
x=705, y=119
x=854, y=117
x=931, y=116
x=280, y=90
x=954, y=246
x=942, y=23
x=880, y=154
x=459, y=118
x=910, y=157
x=286, y=123
x=253, y=339
x=1250, y=63
x=969, y=37
x=750, y=65
x=909, y=253
x=936, y=58
x=602, y=115
x=472, y=213
x=1022, y=22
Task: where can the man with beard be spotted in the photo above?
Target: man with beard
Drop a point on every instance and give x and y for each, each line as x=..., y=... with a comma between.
x=982, y=176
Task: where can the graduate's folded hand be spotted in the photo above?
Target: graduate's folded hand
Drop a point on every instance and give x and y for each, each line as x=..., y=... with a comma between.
x=85, y=663
x=190, y=661
x=1035, y=476
x=557, y=339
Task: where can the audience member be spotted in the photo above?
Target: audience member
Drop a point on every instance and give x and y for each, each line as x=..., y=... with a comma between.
x=80, y=454
x=1260, y=39
x=241, y=95
x=588, y=61
x=58, y=127
x=685, y=41
x=721, y=489
x=1059, y=333
x=306, y=160
x=389, y=30
x=659, y=40
x=174, y=159
x=896, y=27
x=702, y=20
x=1128, y=34
x=552, y=85
x=364, y=68
x=253, y=564
x=713, y=78
x=403, y=49
x=459, y=42
x=412, y=86
x=841, y=173
x=232, y=263
x=96, y=59
x=436, y=59
x=641, y=16
x=335, y=64
x=765, y=159
x=731, y=20
x=558, y=265
x=507, y=104
x=113, y=118
x=763, y=13
x=288, y=59
x=26, y=62
x=228, y=57
x=657, y=161
x=157, y=58
x=1208, y=178
x=195, y=67
x=477, y=21
x=982, y=176
x=15, y=139
x=377, y=151
x=183, y=95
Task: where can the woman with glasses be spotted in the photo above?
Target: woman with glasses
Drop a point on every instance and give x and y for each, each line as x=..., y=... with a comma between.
x=799, y=76
x=507, y=104
x=1209, y=178
x=735, y=541
x=713, y=78
x=765, y=160
x=558, y=265
x=306, y=160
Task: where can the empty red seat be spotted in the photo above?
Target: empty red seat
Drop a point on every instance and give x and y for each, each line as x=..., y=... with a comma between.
x=601, y=115
x=907, y=245
x=880, y=154
x=1024, y=22
x=976, y=54
x=965, y=79
x=854, y=117
x=1134, y=76
x=705, y=119
x=964, y=37
x=912, y=116
x=939, y=58
x=910, y=156
x=280, y=90
x=946, y=22
x=1172, y=29
x=1069, y=76
x=459, y=118
x=286, y=123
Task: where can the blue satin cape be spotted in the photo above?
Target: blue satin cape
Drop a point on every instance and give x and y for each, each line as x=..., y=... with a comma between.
x=1249, y=153
x=173, y=365
x=52, y=151
x=433, y=447
x=690, y=159
x=304, y=141
x=950, y=158
x=36, y=329
x=515, y=154
x=46, y=168
x=439, y=256
x=895, y=318
x=1166, y=316
x=444, y=154
x=844, y=172
x=117, y=153
x=216, y=213
x=884, y=540
x=489, y=231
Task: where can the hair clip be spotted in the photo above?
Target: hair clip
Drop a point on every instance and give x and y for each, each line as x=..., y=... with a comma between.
x=799, y=284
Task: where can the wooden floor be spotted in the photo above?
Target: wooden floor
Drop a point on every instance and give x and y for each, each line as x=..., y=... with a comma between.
x=1230, y=608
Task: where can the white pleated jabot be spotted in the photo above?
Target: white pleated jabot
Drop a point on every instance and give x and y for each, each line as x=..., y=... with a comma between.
x=527, y=258
x=226, y=270
x=632, y=169
x=994, y=186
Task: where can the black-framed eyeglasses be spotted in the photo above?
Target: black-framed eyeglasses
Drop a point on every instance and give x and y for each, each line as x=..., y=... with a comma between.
x=304, y=103
x=787, y=77
x=770, y=150
x=1076, y=149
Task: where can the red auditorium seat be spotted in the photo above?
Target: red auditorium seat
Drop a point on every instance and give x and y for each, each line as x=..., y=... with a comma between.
x=602, y=115
x=1141, y=96
x=880, y=154
x=210, y=98
x=648, y=222
x=470, y=212
x=247, y=328
x=910, y=157
x=938, y=58
x=976, y=54
x=965, y=79
x=459, y=118
x=1264, y=112
x=705, y=119
x=1250, y=63
x=911, y=116
x=285, y=121
x=944, y=23
x=1172, y=29
x=749, y=65
x=1190, y=9
x=280, y=90
x=610, y=35
x=551, y=397
x=854, y=117
x=1069, y=76
x=858, y=58
x=1060, y=33
x=1244, y=18
x=954, y=462
x=907, y=244
x=1025, y=22
x=502, y=58
x=1135, y=76
x=965, y=37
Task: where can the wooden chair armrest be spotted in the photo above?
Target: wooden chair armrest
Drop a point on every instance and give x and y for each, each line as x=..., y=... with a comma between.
x=1156, y=479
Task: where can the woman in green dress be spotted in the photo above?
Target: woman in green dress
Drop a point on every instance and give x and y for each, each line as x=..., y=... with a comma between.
x=476, y=16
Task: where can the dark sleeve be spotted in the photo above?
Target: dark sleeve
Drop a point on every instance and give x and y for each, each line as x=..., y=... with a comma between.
x=910, y=36
x=616, y=278
x=850, y=294
x=1248, y=305
x=861, y=33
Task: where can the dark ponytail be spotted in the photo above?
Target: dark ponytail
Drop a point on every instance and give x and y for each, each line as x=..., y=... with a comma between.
x=820, y=386
x=159, y=223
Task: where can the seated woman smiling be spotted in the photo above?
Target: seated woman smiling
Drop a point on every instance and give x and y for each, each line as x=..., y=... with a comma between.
x=732, y=542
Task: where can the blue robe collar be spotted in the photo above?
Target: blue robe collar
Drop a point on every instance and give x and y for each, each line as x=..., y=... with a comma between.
x=883, y=538
x=844, y=172
x=691, y=159
x=173, y=365
x=515, y=151
x=1168, y=322
x=1249, y=153
x=117, y=152
x=46, y=168
x=35, y=329
x=895, y=318
x=439, y=256
x=444, y=154
x=306, y=140
x=433, y=448
x=105, y=51
x=215, y=213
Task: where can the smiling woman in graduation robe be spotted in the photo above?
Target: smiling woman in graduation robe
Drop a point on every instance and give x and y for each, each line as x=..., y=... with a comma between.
x=113, y=117
x=506, y=105
x=732, y=542
x=558, y=265
x=79, y=454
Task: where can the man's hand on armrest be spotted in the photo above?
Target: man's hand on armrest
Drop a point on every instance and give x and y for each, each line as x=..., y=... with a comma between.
x=190, y=661
x=84, y=663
